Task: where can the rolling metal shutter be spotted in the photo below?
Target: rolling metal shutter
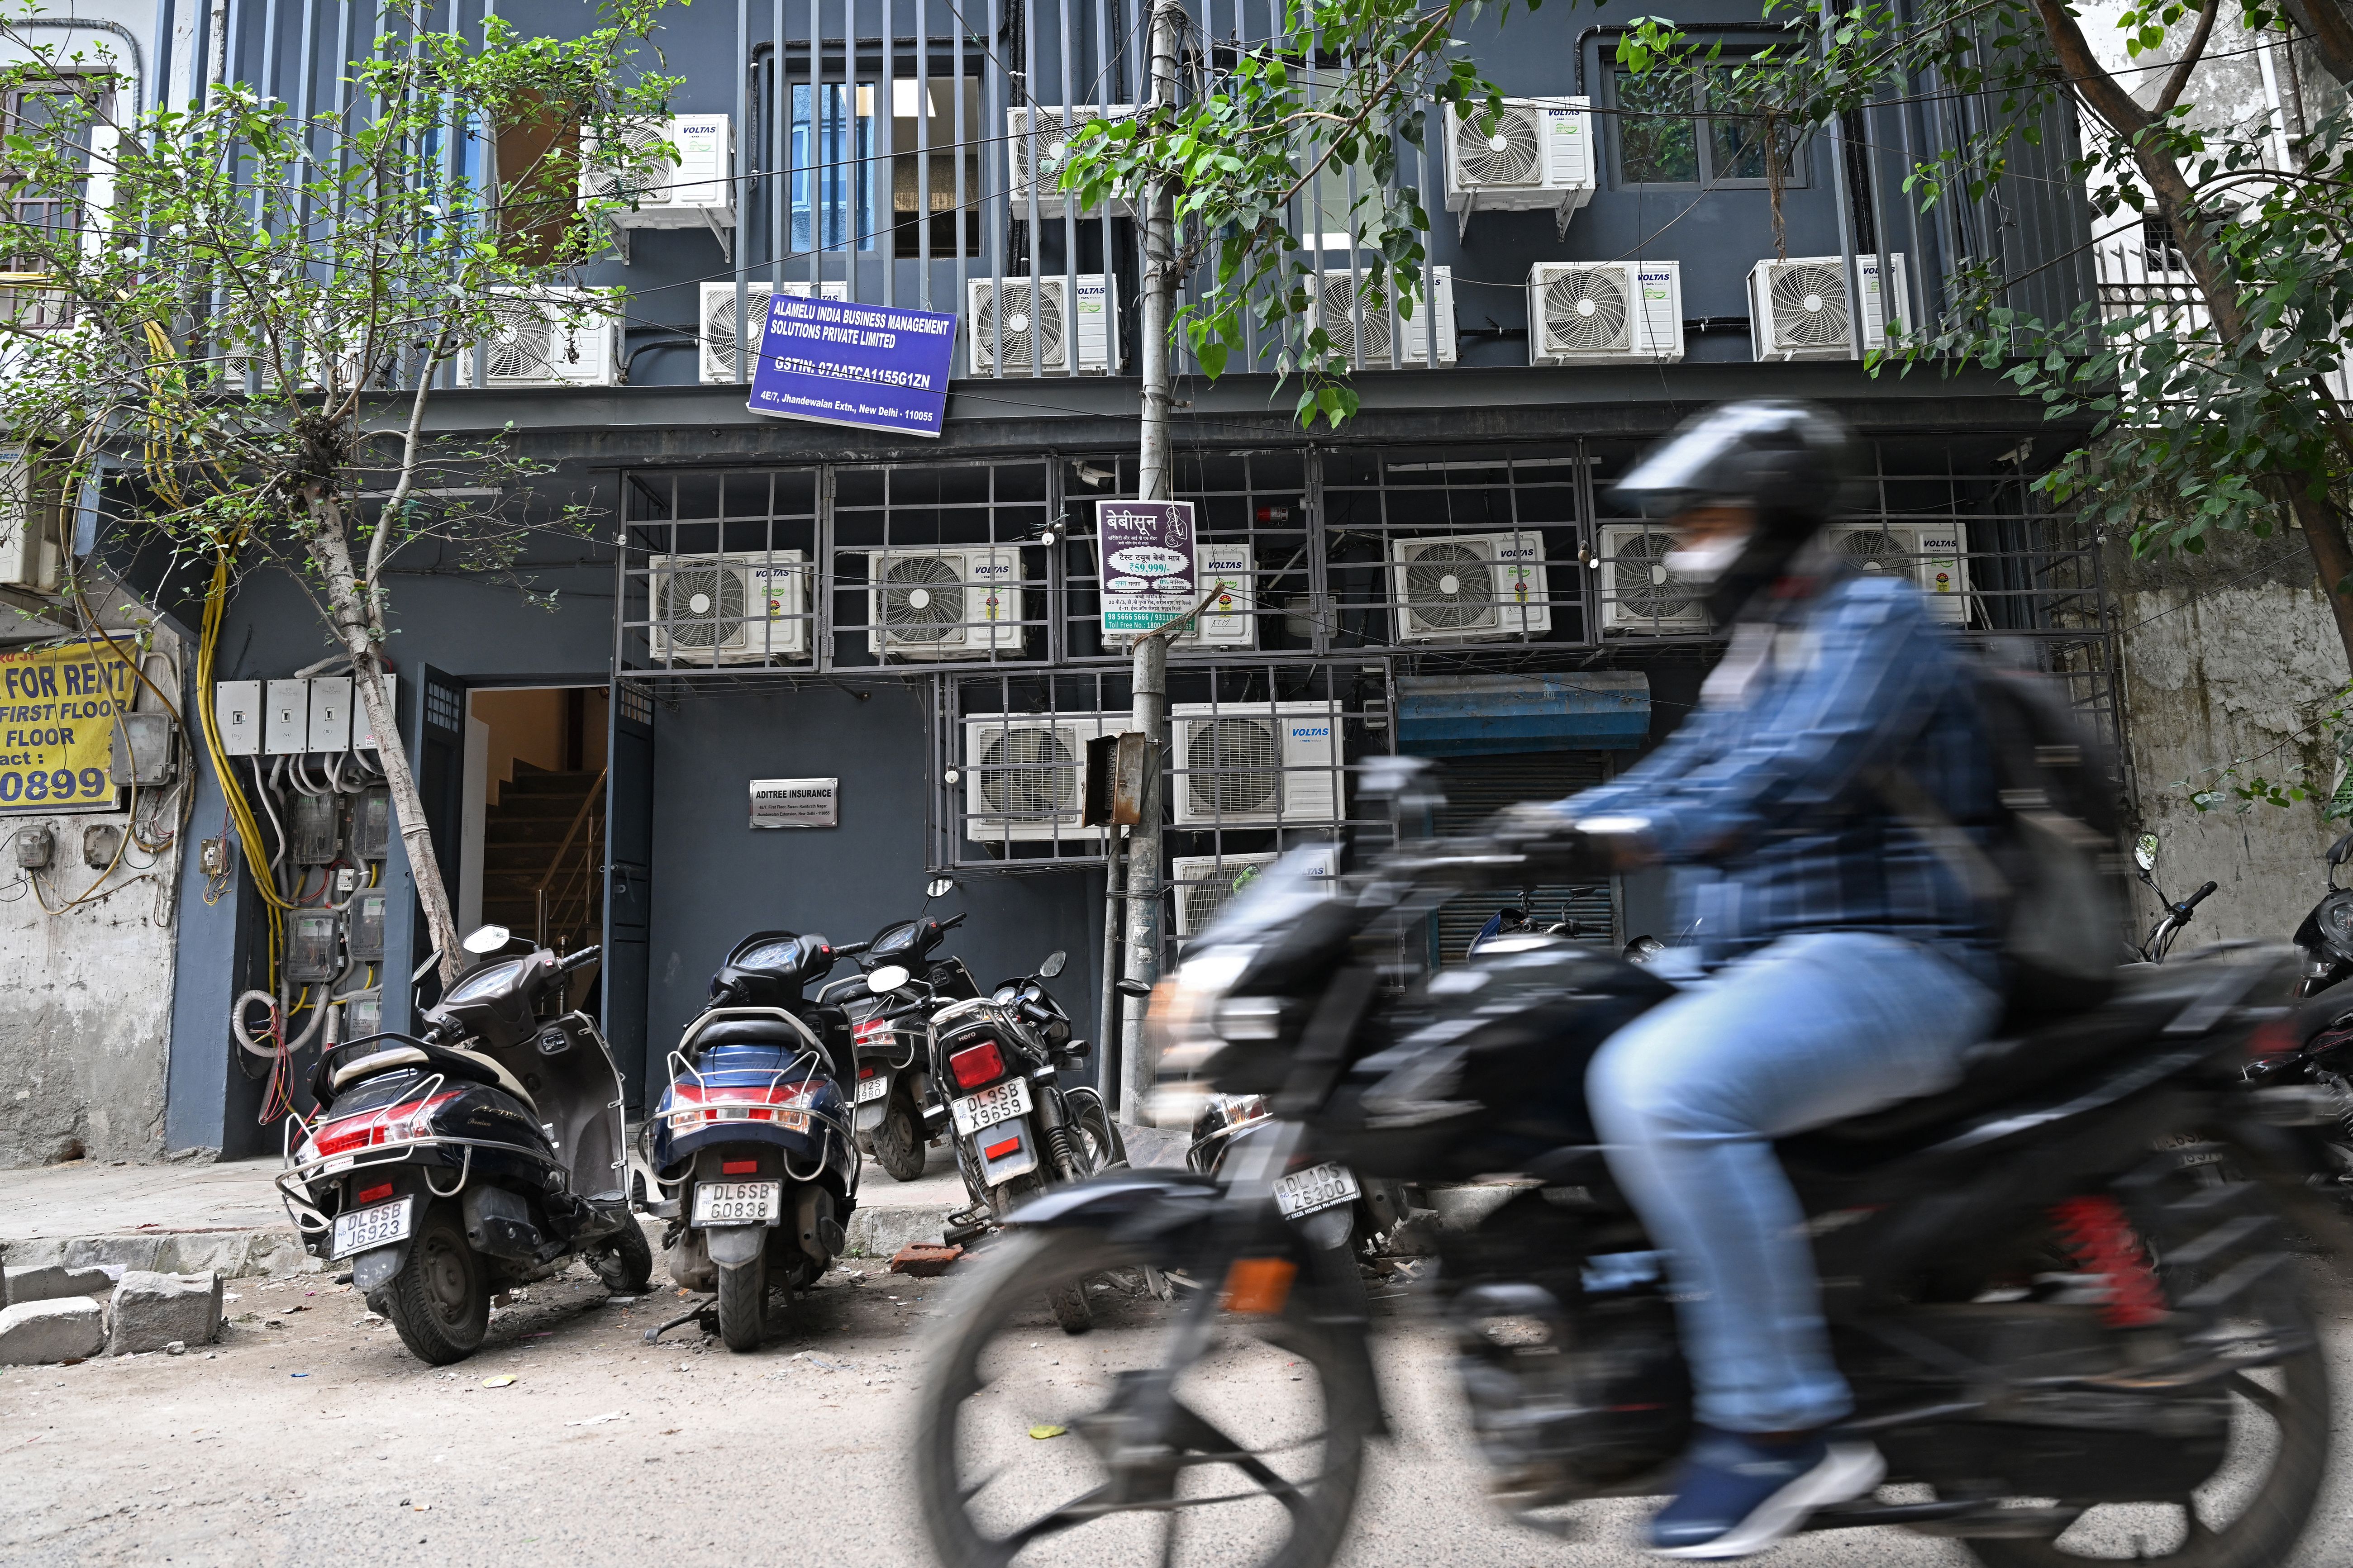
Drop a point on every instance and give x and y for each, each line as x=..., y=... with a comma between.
x=1478, y=787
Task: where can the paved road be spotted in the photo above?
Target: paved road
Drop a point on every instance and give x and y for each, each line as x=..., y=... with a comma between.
x=310, y=1437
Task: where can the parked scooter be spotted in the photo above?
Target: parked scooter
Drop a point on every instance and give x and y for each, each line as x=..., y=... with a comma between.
x=482, y=1152
x=894, y=1065
x=2176, y=916
x=2325, y=937
x=1332, y=1205
x=752, y=1145
x=1017, y=1130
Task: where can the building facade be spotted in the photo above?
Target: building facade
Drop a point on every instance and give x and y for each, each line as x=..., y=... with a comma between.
x=762, y=600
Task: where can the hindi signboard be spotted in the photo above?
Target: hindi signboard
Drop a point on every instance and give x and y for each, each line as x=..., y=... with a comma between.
x=56, y=727
x=879, y=367
x=796, y=803
x=1147, y=563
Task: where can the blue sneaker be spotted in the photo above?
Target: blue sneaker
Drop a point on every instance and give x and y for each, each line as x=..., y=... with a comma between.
x=1737, y=1495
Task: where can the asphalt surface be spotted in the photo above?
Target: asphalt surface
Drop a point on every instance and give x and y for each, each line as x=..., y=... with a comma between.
x=309, y=1436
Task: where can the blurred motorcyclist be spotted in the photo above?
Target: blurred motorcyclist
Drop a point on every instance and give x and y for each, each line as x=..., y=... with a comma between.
x=1838, y=967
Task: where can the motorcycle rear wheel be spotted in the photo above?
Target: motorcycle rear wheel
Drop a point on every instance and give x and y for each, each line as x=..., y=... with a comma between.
x=898, y=1141
x=1280, y=1394
x=743, y=1303
x=627, y=1267
x=440, y=1301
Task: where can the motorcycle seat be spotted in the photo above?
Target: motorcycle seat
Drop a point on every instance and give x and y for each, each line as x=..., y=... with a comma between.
x=451, y=1059
x=747, y=1032
x=2150, y=1000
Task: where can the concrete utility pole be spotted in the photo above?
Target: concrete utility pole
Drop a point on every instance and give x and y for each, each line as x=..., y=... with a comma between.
x=1149, y=681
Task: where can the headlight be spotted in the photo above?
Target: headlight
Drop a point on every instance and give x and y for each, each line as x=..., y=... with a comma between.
x=1180, y=1020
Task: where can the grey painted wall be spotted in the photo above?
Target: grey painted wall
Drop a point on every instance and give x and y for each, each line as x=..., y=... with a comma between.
x=716, y=881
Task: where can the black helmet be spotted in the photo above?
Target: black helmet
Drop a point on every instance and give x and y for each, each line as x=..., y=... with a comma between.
x=1787, y=461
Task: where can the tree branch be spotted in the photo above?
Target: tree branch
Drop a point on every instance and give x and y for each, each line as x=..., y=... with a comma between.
x=2190, y=55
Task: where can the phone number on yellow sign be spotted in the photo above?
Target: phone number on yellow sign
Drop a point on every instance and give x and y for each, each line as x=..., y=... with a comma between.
x=56, y=727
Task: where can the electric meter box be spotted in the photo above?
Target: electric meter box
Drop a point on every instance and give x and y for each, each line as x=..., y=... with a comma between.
x=143, y=750
x=314, y=829
x=331, y=714
x=236, y=708
x=366, y=935
x=363, y=1016
x=285, y=718
x=372, y=824
x=310, y=946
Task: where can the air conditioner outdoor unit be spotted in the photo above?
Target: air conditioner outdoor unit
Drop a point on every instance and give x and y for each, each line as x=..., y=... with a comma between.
x=689, y=187
x=949, y=603
x=1038, y=326
x=1024, y=773
x=1255, y=766
x=1536, y=155
x=32, y=524
x=728, y=609
x=1638, y=593
x=1334, y=311
x=1463, y=588
x=1935, y=555
x=722, y=360
x=1228, y=621
x=1040, y=136
x=551, y=337
x=1799, y=308
x=1602, y=313
x=1204, y=884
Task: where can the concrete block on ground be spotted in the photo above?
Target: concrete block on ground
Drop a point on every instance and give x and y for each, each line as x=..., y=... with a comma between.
x=883, y=1231
x=54, y=1281
x=71, y=1328
x=233, y=1253
x=151, y=1310
x=1154, y=1145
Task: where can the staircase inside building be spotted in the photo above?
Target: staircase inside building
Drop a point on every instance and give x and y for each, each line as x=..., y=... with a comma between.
x=545, y=836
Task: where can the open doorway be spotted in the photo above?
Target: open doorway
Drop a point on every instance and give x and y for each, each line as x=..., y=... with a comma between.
x=533, y=845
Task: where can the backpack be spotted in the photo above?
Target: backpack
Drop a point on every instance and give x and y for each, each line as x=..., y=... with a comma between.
x=2054, y=872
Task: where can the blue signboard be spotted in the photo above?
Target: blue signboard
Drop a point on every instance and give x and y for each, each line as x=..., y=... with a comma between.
x=877, y=367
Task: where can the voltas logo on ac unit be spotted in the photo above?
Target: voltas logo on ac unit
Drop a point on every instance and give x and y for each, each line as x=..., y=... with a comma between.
x=1310, y=732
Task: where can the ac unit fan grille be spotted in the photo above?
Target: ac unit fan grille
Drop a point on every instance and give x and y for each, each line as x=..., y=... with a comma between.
x=1339, y=323
x=1641, y=583
x=1029, y=774
x=649, y=176
x=1809, y=303
x=1233, y=766
x=1206, y=899
x=1876, y=549
x=524, y=349
x=1587, y=311
x=701, y=606
x=719, y=326
x=1032, y=332
x=1498, y=150
x=923, y=599
x=1448, y=587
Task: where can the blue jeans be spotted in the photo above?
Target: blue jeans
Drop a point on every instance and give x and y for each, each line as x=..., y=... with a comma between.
x=1810, y=1030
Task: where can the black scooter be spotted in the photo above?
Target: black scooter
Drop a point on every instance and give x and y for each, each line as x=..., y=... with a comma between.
x=482, y=1152
x=750, y=1143
x=2325, y=937
x=894, y=1065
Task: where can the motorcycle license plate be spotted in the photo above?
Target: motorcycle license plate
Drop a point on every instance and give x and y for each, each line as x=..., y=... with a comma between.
x=991, y=1106
x=874, y=1088
x=738, y=1202
x=364, y=1230
x=1319, y=1187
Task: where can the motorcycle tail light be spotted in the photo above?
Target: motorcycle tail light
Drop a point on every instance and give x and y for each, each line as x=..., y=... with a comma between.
x=375, y=1129
x=694, y=1105
x=978, y=1066
x=872, y=1033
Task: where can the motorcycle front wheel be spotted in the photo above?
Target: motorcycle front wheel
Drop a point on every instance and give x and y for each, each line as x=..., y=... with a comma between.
x=898, y=1141
x=1016, y=1461
x=625, y=1267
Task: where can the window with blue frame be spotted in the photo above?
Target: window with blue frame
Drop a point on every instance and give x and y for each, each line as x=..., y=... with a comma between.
x=833, y=166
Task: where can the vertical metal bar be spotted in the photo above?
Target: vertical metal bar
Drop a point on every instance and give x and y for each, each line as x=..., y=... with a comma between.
x=1000, y=210
x=1321, y=614
x=822, y=649
x=1069, y=203
x=1034, y=246
x=780, y=180
x=963, y=136
x=1102, y=95
x=740, y=195
x=923, y=154
x=884, y=178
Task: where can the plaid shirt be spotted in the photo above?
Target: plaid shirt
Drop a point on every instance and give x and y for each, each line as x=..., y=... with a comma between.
x=1768, y=782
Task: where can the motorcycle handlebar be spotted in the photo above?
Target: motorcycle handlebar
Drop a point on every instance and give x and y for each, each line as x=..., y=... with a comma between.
x=2194, y=899
x=850, y=949
x=952, y=922
x=588, y=956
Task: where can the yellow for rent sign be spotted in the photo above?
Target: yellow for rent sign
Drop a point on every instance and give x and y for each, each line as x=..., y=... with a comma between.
x=56, y=727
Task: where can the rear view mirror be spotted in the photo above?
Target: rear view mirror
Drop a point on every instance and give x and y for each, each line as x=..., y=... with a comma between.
x=1053, y=964
x=2145, y=852
x=939, y=887
x=486, y=940
x=2341, y=851
x=1131, y=987
x=886, y=977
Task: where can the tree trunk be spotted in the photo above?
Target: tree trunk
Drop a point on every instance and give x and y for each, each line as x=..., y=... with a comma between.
x=2328, y=26
x=347, y=604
